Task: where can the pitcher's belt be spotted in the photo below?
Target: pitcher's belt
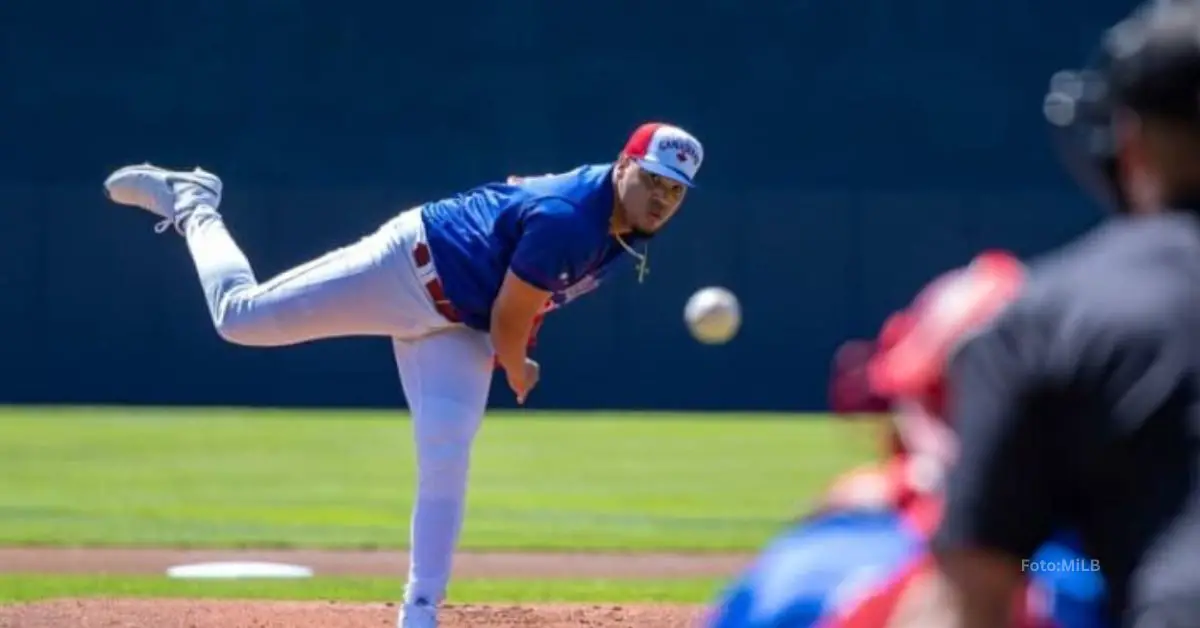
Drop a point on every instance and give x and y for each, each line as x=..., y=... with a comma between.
x=422, y=257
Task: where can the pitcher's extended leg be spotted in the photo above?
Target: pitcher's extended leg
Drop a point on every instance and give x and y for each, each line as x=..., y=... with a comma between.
x=347, y=292
x=353, y=291
x=446, y=379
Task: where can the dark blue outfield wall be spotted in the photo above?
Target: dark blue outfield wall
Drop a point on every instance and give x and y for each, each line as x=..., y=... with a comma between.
x=854, y=150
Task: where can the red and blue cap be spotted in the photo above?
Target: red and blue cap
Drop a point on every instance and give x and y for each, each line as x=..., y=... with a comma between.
x=665, y=150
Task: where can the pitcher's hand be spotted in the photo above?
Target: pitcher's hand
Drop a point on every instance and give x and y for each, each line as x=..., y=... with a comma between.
x=522, y=383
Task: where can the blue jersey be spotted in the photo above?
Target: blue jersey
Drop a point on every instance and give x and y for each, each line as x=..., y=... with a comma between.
x=811, y=570
x=816, y=574
x=551, y=231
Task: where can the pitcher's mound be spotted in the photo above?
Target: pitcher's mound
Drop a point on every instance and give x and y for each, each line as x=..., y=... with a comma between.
x=128, y=613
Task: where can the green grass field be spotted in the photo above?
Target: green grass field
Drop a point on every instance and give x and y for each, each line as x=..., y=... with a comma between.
x=241, y=478
x=16, y=589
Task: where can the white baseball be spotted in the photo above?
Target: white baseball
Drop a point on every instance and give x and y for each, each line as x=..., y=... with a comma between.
x=713, y=315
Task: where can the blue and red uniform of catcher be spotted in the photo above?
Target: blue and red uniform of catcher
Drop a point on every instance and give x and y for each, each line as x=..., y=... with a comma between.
x=852, y=568
x=859, y=561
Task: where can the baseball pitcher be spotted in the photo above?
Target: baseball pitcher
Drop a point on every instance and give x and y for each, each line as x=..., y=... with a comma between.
x=458, y=284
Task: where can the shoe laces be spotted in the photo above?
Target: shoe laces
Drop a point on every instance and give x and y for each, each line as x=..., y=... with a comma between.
x=188, y=198
x=179, y=220
x=174, y=221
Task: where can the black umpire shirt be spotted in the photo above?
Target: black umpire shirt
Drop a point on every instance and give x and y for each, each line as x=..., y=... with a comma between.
x=1078, y=408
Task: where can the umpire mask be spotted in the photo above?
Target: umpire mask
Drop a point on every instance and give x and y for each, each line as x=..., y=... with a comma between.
x=1148, y=64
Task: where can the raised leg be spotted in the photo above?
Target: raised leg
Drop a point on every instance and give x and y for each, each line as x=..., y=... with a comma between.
x=369, y=288
x=356, y=290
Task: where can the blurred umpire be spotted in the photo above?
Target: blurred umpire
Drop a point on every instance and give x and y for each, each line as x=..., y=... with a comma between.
x=1079, y=405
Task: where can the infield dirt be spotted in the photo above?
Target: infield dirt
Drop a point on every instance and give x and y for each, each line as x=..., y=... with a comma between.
x=177, y=613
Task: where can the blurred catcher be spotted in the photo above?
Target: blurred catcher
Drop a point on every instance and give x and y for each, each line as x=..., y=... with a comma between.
x=862, y=559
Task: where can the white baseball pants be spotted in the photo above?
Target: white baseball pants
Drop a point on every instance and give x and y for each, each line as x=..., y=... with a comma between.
x=370, y=288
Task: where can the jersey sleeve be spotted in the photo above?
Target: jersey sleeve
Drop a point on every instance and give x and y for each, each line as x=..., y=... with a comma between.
x=545, y=249
x=1000, y=493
